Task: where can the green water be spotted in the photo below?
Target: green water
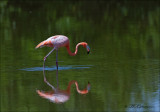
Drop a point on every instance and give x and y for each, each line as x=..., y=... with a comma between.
x=122, y=68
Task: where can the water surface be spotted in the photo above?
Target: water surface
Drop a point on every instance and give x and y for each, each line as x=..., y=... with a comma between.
x=122, y=68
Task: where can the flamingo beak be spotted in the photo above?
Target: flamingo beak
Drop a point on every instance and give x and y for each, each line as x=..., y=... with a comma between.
x=89, y=86
x=88, y=49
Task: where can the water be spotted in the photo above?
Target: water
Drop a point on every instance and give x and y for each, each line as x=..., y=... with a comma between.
x=59, y=68
x=122, y=68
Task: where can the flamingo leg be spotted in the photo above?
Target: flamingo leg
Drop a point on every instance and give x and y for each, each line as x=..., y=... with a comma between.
x=57, y=68
x=45, y=80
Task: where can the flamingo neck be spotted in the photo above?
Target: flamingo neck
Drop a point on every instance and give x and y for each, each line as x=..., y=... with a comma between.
x=76, y=50
x=77, y=87
x=69, y=86
x=85, y=91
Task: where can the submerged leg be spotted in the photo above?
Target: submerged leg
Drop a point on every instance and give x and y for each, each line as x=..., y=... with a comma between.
x=57, y=68
x=45, y=80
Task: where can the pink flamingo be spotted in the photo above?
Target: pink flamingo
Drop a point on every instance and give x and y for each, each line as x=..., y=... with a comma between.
x=61, y=96
x=56, y=42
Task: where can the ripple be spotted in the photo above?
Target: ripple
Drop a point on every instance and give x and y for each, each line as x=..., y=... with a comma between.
x=59, y=68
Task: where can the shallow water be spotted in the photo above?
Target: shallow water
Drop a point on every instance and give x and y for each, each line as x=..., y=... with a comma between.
x=122, y=68
x=59, y=68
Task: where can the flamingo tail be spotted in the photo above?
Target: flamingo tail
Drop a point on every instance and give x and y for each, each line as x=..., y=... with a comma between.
x=44, y=43
x=45, y=94
x=40, y=45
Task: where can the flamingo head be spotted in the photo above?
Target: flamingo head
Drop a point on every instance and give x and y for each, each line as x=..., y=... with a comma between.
x=85, y=45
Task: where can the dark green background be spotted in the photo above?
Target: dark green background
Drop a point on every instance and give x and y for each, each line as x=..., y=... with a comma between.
x=124, y=38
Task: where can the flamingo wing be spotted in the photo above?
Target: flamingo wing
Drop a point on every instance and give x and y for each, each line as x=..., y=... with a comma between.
x=47, y=42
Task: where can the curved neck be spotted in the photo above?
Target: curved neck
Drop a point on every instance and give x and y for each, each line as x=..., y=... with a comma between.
x=76, y=50
x=69, y=86
x=85, y=91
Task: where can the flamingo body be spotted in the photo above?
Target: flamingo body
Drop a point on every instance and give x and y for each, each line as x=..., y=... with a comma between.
x=58, y=41
x=55, y=41
x=55, y=98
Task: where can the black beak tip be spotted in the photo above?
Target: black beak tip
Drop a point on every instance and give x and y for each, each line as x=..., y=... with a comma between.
x=88, y=52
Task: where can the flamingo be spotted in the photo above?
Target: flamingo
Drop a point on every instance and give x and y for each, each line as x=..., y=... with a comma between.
x=61, y=96
x=56, y=42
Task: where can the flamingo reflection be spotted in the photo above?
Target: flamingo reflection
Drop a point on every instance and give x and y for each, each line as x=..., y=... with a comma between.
x=61, y=96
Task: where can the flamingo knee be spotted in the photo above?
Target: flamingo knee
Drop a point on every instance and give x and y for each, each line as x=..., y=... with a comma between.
x=45, y=58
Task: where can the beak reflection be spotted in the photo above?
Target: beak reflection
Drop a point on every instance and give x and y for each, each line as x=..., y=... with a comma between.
x=88, y=49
